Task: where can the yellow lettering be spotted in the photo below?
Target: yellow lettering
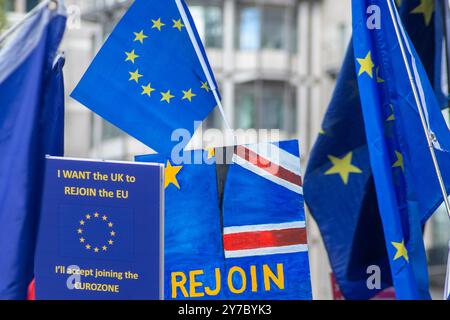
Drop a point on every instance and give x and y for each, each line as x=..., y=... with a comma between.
x=178, y=284
x=253, y=277
x=193, y=284
x=230, y=280
x=216, y=291
x=269, y=275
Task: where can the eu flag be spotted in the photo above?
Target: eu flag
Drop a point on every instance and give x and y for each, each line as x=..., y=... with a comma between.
x=31, y=126
x=152, y=75
x=352, y=217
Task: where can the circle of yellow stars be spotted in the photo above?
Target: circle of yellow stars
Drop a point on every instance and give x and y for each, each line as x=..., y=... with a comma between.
x=135, y=75
x=82, y=237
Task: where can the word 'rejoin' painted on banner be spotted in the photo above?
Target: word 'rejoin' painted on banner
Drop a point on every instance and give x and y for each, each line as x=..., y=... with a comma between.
x=237, y=281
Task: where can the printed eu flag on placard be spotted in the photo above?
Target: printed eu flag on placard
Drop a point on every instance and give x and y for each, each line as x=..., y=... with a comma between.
x=152, y=75
x=89, y=230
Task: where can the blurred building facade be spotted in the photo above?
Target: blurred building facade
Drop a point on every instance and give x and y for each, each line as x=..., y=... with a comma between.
x=275, y=62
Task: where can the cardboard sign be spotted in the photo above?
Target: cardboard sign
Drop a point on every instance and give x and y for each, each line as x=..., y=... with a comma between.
x=100, y=231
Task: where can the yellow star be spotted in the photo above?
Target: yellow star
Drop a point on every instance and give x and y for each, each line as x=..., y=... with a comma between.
x=205, y=86
x=211, y=152
x=398, y=2
x=88, y=246
x=426, y=7
x=170, y=173
x=112, y=233
x=110, y=224
x=178, y=24
x=343, y=167
x=110, y=242
x=82, y=240
x=140, y=36
x=366, y=65
x=157, y=24
x=104, y=218
x=321, y=131
x=392, y=116
x=88, y=216
x=104, y=248
x=188, y=95
x=80, y=231
x=131, y=56
x=96, y=249
x=166, y=96
x=379, y=79
x=96, y=215
x=399, y=163
x=82, y=222
x=147, y=90
x=401, y=250
x=135, y=76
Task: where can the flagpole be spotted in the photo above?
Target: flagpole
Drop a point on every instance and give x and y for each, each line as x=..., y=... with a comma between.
x=204, y=65
x=428, y=134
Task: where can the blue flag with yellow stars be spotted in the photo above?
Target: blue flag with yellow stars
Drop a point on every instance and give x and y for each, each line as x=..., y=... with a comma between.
x=424, y=22
x=349, y=215
x=152, y=75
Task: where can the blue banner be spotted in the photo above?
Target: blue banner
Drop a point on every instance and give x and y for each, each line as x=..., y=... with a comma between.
x=99, y=236
x=235, y=230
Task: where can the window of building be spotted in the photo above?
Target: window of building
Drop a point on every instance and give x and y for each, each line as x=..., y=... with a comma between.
x=265, y=105
x=30, y=4
x=266, y=27
x=250, y=28
x=274, y=25
x=209, y=22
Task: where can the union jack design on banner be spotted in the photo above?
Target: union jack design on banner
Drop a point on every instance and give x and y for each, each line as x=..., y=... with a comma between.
x=271, y=162
x=264, y=239
x=273, y=205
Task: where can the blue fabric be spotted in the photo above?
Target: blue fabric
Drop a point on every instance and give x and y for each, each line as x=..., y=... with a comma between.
x=193, y=232
x=348, y=214
x=427, y=37
x=167, y=61
x=406, y=196
x=31, y=126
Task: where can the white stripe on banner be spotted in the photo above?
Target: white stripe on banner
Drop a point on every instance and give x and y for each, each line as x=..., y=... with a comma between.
x=263, y=173
x=278, y=156
x=266, y=251
x=264, y=227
